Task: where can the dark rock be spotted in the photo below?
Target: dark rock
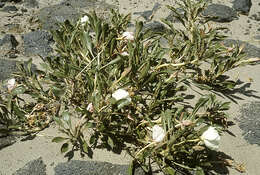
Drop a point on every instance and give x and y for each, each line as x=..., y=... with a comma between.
x=77, y=167
x=24, y=10
x=249, y=49
x=249, y=122
x=2, y=4
x=51, y=16
x=7, y=44
x=10, y=8
x=10, y=1
x=31, y=3
x=34, y=167
x=6, y=141
x=257, y=37
x=255, y=17
x=171, y=17
x=155, y=26
x=242, y=6
x=148, y=13
x=37, y=42
x=220, y=13
x=7, y=67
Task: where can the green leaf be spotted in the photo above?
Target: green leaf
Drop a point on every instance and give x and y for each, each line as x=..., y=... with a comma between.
x=18, y=90
x=64, y=147
x=199, y=171
x=85, y=146
x=170, y=171
x=131, y=169
x=110, y=142
x=59, y=139
x=66, y=118
x=123, y=102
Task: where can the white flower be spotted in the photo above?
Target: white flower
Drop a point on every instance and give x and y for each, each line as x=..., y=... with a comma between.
x=90, y=107
x=121, y=94
x=211, y=138
x=84, y=19
x=128, y=36
x=125, y=54
x=10, y=84
x=158, y=133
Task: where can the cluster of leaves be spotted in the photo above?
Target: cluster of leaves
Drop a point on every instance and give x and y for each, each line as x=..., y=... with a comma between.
x=94, y=61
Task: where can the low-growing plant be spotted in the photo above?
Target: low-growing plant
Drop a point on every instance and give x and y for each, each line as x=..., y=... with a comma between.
x=131, y=93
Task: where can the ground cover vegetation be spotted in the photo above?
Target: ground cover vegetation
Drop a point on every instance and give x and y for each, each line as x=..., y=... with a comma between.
x=129, y=92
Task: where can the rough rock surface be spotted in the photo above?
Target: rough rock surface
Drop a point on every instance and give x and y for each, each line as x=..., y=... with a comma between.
x=220, y=13
x=34, y=167
x=10, y=8
x=51, y=16
x=6, y=68
x=37, y=42
x=242, y=6
x=77, y=167
x=249, y=122
x=249, y=49
x=7, y=44
x=31, y=3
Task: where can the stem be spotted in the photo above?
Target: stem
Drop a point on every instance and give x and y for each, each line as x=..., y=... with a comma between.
x=153, y=143
x=185, y=141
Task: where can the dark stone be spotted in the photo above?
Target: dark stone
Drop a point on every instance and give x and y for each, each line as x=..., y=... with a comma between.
x=242, y=6
x=220, y=13
x=77, y=167
x=148, y=13
x=249, y=122
x=255, y=17
x=249, y=49
x=37, y=42
x=6, y=141
x=24, y=10
x=7, y=44
x=257, y=37
x=7, y=67
x=71, y=10
x=31, y=3
x=9, y=40
x=10, y=8
x=51, y=17
x=34, y=167
x=155, y=26
x=2, y=4
x=171, y=17
x=10, y=1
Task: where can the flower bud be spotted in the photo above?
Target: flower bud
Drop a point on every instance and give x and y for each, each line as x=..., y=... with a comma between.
x=158, y=133
x=211, y=138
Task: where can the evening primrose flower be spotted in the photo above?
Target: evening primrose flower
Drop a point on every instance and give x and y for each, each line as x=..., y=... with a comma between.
x=10, y=84
x=121, y=94
x=90, y=108
x=158, y=133
x=84, y=19
x=211, y=138
x=128, y=36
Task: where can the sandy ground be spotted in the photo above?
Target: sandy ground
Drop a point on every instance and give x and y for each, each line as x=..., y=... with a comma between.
x=16, y=155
